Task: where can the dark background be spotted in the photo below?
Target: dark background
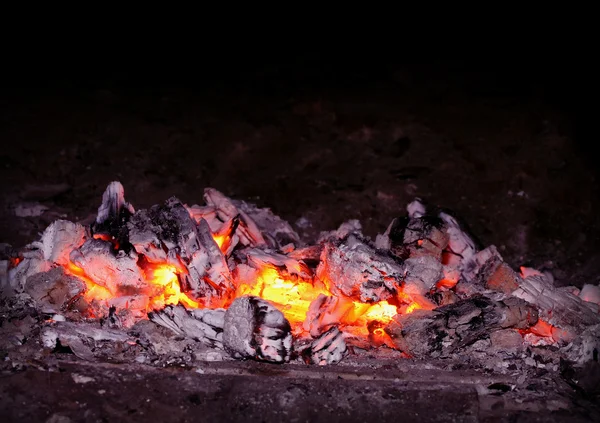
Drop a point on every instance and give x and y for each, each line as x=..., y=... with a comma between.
x=496, y=141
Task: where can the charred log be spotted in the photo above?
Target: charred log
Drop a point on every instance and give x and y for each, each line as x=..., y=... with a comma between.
x=447, y=329
x=255, y=329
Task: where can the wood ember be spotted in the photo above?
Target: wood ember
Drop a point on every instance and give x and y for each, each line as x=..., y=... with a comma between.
x=81, y=338
x=461, y=245
x=325, y=312
x=113, y=213
x=248, y=231
x=260, y=259
x=350, y=227
x=54, y=247
x=328, y=348
x=585, y=348
x=414, y=237
x=202, y=325
x=558, y=307
x=420, y=275
x=446, y=329
x=257, y=330
x=168, y=234
x=53, y=290
x=277, y=232
x=118, y=272
x=357, y=270
x=59, y=239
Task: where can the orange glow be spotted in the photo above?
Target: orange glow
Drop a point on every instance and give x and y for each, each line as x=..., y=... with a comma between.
x=220, y=239
x=108, y=238
x=293, y=298
x=412, y=307
x=93, y=291
x=381, y=311
x=14, y=262
x=163, y=278
x=545, y=329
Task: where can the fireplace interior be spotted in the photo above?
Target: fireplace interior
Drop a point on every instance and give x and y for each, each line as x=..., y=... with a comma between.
x=299, y=242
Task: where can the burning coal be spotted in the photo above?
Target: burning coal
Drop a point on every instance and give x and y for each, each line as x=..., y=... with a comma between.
x=239, y=278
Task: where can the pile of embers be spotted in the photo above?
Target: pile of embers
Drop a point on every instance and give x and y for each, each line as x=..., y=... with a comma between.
x=231, y=280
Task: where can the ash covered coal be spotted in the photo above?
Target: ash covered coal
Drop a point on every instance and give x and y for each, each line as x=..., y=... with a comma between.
x=178, y=284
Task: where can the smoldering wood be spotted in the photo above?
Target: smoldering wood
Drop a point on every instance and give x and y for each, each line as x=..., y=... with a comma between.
x=447, y=329
x=227, y=232
x=168, y=234
x=353, y=268
x=557, y=306
x=420, y=275
x=113, y=213
x=350, y=227
x=117, y=272
x=412, y=237
x=325, y=312
x=81, y=338
x=53, y=290
x=276, y=231
x=461, y=244
x=53, y=248
x=259, y=259
x=254, y=329
x=248, y=231
x=202, y=325
x=328, y=348
x=59, y=239
x=17, y=276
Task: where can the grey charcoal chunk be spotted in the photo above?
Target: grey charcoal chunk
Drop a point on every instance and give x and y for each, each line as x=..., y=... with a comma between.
x=255, y=329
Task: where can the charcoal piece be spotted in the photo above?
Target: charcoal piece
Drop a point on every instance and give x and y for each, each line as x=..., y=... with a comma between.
x=310, y=254
x=461, y=244
x=260, y=259
x=202, y=325
x=119, y=273
x=558, y=307
x=248, y=231
x=328, y=348
x=54, y=247
x=585, y=348
x=446, y=329
x=17, y=276
x=350, y=227
x=255, y=329
x=113, y=213
x=356, y=270
x=421, y=275
x=53, y=290
x=325, y=312
x=413, y=237
x=276, y=231
x=167, y=233
x=226, y=236
x=59, y=239
x=84, y=339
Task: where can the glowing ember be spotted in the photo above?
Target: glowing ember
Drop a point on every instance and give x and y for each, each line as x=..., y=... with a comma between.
x=164, y=277
x=293, y=298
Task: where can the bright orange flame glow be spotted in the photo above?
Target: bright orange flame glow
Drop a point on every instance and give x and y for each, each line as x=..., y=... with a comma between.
x=412, y=307
x=293, y=298
x=164, y=277
x=93, y=291
x=220, y=240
